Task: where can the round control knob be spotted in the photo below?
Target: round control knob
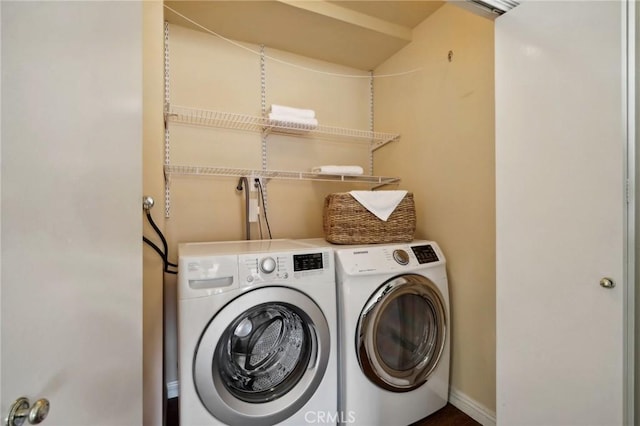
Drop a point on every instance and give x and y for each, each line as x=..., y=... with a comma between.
x=268, y=265
x=401, y=257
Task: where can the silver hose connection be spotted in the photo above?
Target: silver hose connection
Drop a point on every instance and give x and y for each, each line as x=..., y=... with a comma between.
x=147, y=202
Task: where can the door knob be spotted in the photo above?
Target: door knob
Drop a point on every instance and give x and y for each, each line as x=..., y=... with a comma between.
x=20, y=411
x=607, y=283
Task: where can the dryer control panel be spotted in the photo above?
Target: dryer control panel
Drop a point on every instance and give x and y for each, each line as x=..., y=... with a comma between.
x=375, y=259
x=425, y=253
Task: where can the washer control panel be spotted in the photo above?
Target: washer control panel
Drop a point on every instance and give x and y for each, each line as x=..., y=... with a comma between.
x=218, y=267
x=266, y=268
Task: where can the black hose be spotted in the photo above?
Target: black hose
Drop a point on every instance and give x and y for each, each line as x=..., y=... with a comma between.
x=153, y=246
x=264, y=208
x=162, y=255
x=164, y=242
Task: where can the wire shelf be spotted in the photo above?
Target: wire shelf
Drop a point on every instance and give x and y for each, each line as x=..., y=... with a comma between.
x=228, y=120
x=275, y=174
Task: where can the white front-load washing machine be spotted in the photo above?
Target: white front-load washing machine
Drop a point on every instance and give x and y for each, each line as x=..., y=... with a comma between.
x=393, y=316
x=256, y=333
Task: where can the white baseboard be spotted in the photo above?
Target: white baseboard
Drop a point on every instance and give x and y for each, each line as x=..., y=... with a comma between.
x=472, y=408
x=172, y=389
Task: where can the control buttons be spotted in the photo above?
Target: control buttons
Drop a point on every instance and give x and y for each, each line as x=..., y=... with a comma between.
x=401, y=256
x=268, y=265
x=425, y=254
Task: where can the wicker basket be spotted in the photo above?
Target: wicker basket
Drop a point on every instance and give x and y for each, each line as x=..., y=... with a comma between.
x=346, y=221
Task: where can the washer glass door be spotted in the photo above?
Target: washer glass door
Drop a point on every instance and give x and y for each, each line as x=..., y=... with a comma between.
x=262, y=356
x=401, y=333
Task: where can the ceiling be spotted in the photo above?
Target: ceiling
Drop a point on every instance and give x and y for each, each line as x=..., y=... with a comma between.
x=358, y=34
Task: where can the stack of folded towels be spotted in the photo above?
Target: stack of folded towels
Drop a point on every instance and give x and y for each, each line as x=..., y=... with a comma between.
x=296, y=118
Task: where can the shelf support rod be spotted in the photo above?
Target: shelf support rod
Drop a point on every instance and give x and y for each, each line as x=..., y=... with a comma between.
x=167, y=158
x=263, y=134
x=371, y=144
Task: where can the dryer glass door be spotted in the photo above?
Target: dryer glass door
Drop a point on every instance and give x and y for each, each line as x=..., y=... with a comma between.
x=262, y=356
x=401, y=333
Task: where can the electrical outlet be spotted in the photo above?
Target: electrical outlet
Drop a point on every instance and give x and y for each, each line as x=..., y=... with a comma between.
x=258, y=183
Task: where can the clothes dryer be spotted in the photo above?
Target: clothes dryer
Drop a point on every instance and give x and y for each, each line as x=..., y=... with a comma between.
x=256, y=333
x=393, y=315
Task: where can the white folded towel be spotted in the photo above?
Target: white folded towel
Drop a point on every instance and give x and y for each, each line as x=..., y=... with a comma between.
x=292, y=112
x=293, y=121
x=338, y=170
x=380, y=203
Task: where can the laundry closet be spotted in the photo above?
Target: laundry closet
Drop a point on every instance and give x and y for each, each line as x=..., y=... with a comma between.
x=502, y=195
x=435, y=94
x=541, y=270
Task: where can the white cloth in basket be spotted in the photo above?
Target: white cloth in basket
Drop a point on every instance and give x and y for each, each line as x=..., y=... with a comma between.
x=380, y=203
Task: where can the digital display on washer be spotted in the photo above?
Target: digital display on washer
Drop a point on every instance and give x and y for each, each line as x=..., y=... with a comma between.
x=425, y=254
x=307, y=262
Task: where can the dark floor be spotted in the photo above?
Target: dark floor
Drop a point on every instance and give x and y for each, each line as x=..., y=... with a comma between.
x=448, y=416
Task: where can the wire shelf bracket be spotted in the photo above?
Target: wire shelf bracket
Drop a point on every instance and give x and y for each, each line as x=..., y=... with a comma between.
x=175, y=170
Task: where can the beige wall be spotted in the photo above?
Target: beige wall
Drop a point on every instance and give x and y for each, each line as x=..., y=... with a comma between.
x=153, y=185
x=445, y=113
